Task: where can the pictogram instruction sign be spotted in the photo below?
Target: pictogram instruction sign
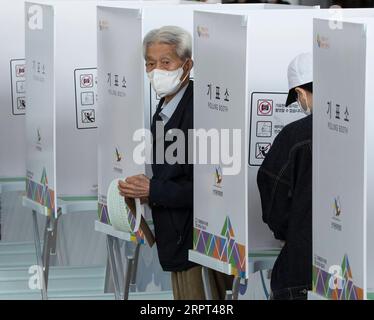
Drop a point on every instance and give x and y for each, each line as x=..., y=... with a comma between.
x=86, y=97
x=269, y=115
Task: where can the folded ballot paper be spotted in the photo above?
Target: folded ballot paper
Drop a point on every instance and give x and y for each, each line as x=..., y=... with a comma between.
x=121, y=211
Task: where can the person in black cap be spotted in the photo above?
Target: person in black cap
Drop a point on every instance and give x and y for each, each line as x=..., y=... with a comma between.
x=285, y=184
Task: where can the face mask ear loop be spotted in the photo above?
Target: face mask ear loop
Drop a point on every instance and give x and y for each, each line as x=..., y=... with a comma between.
x=299, y=101
x=187, y=73
x=307, y=105
x=300, y=104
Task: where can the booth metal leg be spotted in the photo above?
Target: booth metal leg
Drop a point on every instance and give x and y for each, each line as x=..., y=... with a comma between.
x=60, y=253
x=235, y=288
x=123, y=282
x=119, y=264
x=49, y=245
x=206, y=283
x=134, y=270
x=131, y=271
x=39, y=256
x=113, y=268
x=128, y=279
x=108, y=286
x=0, y=214
x=46, y=251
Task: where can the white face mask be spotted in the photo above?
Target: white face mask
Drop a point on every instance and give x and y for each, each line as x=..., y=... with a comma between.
x=164, y=82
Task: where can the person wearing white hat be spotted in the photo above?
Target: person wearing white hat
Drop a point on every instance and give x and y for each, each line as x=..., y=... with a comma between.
x=300, y=82
x=285, y=184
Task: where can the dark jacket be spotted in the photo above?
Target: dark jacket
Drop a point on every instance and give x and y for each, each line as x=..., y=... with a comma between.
x=171, y=193
x=285, y=184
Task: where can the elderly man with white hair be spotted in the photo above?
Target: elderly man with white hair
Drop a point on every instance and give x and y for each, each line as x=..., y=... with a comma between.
x=168, y=56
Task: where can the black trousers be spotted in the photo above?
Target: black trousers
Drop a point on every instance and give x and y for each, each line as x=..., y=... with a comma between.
x=297, y=293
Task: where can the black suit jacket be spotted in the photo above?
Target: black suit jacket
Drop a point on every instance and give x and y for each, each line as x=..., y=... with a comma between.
x=171, y=192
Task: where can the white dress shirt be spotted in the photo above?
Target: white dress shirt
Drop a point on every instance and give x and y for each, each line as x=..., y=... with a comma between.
x=168, y=109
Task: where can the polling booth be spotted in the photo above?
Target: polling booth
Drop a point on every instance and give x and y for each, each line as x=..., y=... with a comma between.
x=62, y=135
x=12, y=97
x=61, y=86
x=12, y=100
x=12, y=106
x=121, y=115
x=12, y=116
x=119, y=126
x=240, y=107
x=12, y=92
x=126, y=106
x=342, y=157
x=229, y=231
x=61, y=118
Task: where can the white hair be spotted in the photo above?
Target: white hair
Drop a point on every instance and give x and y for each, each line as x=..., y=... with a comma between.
x=171, y=35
